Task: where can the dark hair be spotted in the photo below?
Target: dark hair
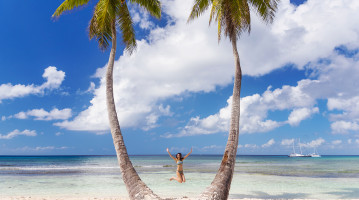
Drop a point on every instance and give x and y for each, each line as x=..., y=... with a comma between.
x=181, y=158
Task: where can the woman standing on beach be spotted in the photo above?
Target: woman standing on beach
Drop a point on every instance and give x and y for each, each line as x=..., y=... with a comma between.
x=179, y=161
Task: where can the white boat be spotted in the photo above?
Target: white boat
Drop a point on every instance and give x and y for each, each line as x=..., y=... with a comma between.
x=315, y=154
x=294, y=154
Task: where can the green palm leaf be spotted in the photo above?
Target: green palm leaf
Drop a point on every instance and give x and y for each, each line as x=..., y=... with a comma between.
x=152, y=6
x=199, y=7
x=124, y=20
x=102, y=21
x=69, y=5
x=233, y=16
x=265, y=8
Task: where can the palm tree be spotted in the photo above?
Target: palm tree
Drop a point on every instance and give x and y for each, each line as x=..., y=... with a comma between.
x=233, y=18
x=108, y=15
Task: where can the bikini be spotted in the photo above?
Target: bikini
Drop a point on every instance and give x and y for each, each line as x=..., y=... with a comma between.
x=179, y=162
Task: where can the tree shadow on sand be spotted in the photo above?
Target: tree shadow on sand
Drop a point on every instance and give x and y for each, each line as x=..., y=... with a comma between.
x=348, y=193
x=263, y=195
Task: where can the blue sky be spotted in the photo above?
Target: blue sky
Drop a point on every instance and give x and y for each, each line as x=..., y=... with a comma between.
x=300, y=81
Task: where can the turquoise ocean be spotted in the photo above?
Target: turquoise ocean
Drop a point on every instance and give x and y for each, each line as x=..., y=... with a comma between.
x=262, y=177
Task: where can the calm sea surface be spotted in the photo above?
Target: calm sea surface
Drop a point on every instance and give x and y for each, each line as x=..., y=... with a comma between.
x=267, y=177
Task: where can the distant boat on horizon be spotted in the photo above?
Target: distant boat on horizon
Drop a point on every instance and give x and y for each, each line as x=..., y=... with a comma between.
x=294, y=154
x=315, y=154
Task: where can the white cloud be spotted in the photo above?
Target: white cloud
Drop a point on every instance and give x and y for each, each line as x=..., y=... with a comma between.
x=314, y=143
x=141, y=18
x=254, y=111
x=41, y=114
x=336, y=142
x=169, y=64
x=287, y=142
x=91, y=88
x=248, y=146
x=251, y=146
x=212, y=148
x=298, y=115
x=343, y=127
x=348, y=119
x=357, y=141
x=59, y=133
x=40, y=148
x=53, y=77
x=17, y=133
x=296, y=37
x=299, y=34
x=148, y=76
x=300, y=99
x=20, y=115
x=269, y=143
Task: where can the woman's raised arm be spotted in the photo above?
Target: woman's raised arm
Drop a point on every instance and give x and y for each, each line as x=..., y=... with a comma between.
x=187, y=154
x=171, y=155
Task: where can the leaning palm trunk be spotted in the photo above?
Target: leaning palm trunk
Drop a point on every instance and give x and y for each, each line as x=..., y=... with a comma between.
x=219, y=188
x=136, y=188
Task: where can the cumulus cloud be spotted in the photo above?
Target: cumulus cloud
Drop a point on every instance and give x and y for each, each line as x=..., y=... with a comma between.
x=269, y=143
x=299, y=35
x=343, y=127
x=141, y=17
x=53, y=77
x=168, y=64
x=164, y=66
x=254, y=112
x=18, y=133
x=299, y=99
x=348, y=119
x=294, y=38
x=297, y=115
x=41, y=114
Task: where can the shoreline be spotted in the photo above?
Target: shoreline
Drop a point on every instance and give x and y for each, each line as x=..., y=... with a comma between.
x=256, y=178
x=114, y=198
x=119, y=198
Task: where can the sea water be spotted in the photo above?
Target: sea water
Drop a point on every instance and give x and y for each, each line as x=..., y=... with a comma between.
x=263, y=177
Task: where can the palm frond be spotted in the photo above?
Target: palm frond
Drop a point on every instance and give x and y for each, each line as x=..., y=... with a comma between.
x=266, y=9
x=124, y=20
x=152, y=6
x=69, y=5
x=220, y=25
x=215, y=10
x=198, y=8
x=101, y=22
x=236, y=18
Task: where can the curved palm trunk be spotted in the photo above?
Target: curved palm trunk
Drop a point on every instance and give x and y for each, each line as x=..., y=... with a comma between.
x=136, y=188
x=219, y=188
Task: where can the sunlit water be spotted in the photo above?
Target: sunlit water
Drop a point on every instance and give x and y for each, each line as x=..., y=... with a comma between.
x=266, y=177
